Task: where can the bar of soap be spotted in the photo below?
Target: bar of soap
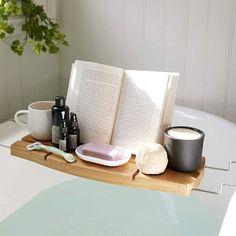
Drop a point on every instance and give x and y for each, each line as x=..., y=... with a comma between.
x=151, y=159
x=104, y=151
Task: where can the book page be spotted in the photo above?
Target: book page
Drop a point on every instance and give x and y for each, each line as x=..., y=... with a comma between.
x=140, y=108
x=93, y=94
x=169, y=106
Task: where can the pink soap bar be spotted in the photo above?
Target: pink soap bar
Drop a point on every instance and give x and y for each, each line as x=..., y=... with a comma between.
x=104, y=151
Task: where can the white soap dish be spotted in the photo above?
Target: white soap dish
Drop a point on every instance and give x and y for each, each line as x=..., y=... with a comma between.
x=103, y=154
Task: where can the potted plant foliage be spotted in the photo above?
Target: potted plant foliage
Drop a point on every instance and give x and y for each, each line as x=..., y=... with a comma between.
x=40, y=31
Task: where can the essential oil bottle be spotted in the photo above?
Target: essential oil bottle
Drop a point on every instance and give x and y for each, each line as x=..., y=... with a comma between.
x=63, y=137
x=59, y=112
x=74, y=132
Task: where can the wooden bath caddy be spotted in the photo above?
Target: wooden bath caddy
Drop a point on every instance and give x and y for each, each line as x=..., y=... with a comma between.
x=127, y=174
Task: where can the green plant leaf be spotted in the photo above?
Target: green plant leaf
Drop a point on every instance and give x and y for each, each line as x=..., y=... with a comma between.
x=17, y=47
x=42, y=32
x=2, y=35
x=9, y=29
x=37, y=47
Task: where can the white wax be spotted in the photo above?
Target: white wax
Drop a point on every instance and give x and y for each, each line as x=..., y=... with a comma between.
x=184, y=133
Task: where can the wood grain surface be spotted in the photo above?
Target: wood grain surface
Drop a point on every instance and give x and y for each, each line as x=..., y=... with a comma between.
x=127, y=174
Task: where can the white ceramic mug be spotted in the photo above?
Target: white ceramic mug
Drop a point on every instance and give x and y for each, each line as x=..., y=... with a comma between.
x=39, y=119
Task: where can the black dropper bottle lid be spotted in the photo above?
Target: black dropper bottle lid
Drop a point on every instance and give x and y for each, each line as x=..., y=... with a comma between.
x=60, y=101
x=73, y=119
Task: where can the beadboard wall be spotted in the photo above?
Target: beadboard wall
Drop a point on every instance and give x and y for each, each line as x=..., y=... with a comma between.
x=196, y=38
x=25, y=79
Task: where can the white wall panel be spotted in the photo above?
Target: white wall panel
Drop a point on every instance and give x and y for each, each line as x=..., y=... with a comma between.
x=39, y=76
x=155, y=26
x=134, y=34
x=175, y=40
x=84, y=38
x=193, y=37
x=3, y=85
x=95, y=22
x=65, y=18
x=115, y=32
x=13, y=82
x=231, y=93
x=196, y=51
x=219, y=40
x=25, y=79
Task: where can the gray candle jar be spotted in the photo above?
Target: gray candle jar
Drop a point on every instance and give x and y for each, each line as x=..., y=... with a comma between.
x=184, y=148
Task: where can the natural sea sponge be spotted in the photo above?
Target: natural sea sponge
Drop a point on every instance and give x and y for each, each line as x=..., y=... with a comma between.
x=151, y=159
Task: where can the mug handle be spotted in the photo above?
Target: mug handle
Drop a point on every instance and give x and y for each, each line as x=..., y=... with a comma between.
x=19, y=122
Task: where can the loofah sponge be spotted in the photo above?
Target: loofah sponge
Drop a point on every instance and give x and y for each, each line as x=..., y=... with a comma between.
x=151, y=159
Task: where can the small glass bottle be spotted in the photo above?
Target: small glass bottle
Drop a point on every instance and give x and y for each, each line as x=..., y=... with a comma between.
x=63, y=138
x=74, y=132
x=59, y=112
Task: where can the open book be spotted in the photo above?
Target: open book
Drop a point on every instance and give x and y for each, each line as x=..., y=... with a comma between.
x=121, y=107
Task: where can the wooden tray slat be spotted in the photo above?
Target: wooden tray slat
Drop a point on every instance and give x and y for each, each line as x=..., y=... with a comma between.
x=172, y=181
x=19, y=149
x=116, y=175
x=127, y=174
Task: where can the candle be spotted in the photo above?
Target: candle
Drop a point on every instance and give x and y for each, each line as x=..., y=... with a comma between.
x=184, y=147
x=184, y=133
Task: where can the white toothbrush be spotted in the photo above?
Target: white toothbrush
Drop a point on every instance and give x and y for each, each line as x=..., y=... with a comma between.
x=39, y=146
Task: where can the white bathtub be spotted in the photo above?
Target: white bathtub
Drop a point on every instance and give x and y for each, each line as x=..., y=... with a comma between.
x=219, y=150
x=21, y=180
